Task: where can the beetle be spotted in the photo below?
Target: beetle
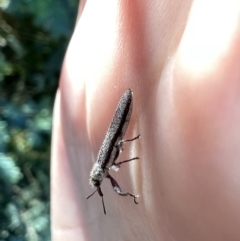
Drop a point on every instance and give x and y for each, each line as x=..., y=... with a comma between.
x=112, y=147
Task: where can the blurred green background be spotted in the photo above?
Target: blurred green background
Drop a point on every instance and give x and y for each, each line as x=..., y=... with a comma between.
x=34, y=35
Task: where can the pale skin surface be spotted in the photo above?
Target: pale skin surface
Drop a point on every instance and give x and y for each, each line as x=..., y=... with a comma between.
x=182, y=61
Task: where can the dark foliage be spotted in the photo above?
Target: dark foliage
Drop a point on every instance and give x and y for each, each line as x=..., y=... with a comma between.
x=33, y=40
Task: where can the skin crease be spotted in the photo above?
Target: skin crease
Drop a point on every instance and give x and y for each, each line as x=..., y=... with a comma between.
x=181, y=59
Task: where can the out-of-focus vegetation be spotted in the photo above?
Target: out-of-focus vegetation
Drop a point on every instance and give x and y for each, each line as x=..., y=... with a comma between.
x=33, y=39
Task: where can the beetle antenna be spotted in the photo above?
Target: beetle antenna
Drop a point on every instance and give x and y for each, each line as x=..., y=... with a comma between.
x=104, y=210
x=91, y=194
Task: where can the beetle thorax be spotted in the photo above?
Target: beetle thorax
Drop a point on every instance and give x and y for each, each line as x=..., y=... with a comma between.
x=97, y=175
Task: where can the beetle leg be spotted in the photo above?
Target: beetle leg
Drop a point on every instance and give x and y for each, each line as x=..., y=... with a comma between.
x=118, y=164
x=133, y=139
x=118, y=190
x=120, y=143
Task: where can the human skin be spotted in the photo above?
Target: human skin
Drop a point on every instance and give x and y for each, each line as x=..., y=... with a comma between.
x=181, y=59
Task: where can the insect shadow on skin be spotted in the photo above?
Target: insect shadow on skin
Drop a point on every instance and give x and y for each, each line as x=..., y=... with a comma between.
x=112, y=147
